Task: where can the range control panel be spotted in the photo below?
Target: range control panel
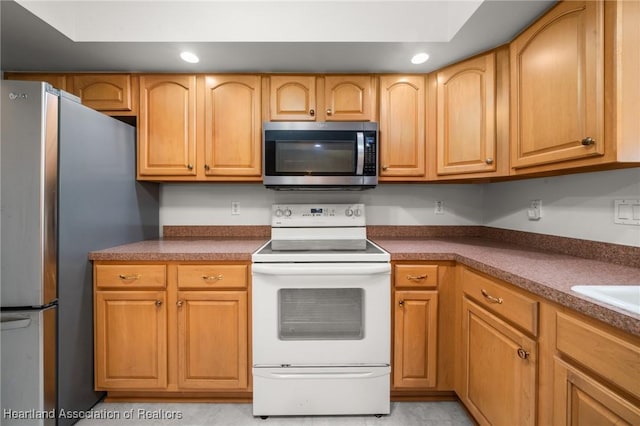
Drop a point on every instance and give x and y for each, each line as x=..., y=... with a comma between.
x=317, y=215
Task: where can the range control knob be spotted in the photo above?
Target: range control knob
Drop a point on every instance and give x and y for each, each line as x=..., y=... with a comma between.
x=278, y=213
x=358, y=212
x=348, y=212
x=287, y=212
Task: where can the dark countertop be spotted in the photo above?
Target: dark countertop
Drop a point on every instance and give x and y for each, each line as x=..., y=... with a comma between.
x=548, y=275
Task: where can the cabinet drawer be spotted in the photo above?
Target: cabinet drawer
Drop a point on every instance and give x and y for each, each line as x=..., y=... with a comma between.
x=615, y=359
x=131, y=276
x=212, y=276
x=421, y=276
x=512, y=306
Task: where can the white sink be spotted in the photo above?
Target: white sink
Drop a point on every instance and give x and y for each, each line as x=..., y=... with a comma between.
x=626, y=297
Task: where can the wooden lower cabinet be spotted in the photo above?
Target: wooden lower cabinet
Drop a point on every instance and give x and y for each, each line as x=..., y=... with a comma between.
x=172, y=330
x=212, y=340
x=130, y=340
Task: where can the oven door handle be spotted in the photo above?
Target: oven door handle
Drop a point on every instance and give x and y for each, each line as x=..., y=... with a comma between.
x=360, y=162
x=326, y=269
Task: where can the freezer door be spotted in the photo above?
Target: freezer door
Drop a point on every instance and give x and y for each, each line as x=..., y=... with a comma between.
x=29, y=192
x=28, y=351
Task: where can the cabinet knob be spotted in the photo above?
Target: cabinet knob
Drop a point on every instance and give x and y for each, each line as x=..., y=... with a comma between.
x=206, y=167
x=329, y=112
x=179, y=303
x=158, y=303
x=401, y=303
x=312, y=112
x=489, y=161
x=588, y=141
x=190, y=166
x=523, y=354
x=385, y=167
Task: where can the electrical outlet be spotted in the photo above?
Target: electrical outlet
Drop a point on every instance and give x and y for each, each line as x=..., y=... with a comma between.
x=235, y=207
x=534, y=212
x=439, y=209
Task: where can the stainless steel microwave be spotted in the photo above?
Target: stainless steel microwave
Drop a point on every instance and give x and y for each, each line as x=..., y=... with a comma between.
x=321, y=156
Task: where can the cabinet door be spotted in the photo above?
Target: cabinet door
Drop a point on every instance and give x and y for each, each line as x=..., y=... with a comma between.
x=232, y=139
x=415, y=339
x=130, y=340
x=349, y=98
x=581, y=400
x=292, y=98
x=466, y=119
x=104, y=92
x=557, y=86
x=59, y=81
x=212, y=340
x=167, y=126
x=402, y=126
x=499, y=368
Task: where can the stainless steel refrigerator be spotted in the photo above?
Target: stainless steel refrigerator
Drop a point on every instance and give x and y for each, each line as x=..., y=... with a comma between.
x=68, y=188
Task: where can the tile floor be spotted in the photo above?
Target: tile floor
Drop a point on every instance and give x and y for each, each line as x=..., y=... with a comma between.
x=448, y=413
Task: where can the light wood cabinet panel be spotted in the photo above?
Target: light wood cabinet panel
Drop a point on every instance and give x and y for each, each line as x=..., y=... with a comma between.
x=58, y=81
x=415, y=339
x=130, y=276
x=416, y=276
x=167, y=126
x=292, y=98
x=500, y=369
x=349, y=97
x=402, y=127
x=209, y=277
x=232, y=126
x=466, y=117
x=558, y=86
x=581, y=400
x=105, y=92
x=131, y=340
x=212, y=340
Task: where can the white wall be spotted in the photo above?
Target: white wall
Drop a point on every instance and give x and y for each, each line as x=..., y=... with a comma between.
x=210, y=204
x=577, y=206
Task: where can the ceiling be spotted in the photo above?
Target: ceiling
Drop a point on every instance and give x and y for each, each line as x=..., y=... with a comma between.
x=254, y=35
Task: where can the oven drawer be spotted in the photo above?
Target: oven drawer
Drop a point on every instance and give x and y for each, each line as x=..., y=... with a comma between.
x=321, y=390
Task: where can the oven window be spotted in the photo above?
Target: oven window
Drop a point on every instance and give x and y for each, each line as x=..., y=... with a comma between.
x=315, y=157
x=321, y=314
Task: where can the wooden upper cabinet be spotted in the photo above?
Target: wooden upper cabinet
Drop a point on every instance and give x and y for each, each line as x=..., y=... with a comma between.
x=59, y=81
x=104, y=92
x=557, y=85
x=349, y=97
x=466, y=119
x=232, y=126
x=167, y=126
x=402, y=127
x=292, y=98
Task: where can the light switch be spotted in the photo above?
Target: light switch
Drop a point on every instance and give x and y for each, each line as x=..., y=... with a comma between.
x=627, y=212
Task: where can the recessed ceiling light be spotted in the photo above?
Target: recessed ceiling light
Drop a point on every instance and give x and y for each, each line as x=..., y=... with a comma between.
x=419, y=58
x=189, y=57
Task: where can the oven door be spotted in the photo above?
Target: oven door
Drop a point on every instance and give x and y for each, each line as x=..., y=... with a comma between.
x=321, y=314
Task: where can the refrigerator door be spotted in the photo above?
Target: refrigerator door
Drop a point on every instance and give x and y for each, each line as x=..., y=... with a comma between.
x=28, y=356
x=29, y=183
x=100, y=205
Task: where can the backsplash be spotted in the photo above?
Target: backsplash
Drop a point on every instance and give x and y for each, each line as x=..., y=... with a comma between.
x=574, y=206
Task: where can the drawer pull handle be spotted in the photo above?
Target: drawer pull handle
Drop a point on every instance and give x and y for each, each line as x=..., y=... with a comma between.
x=130, y=277
x=417, y=277
x=523, y=354
x=212, y=277
x=491, y=298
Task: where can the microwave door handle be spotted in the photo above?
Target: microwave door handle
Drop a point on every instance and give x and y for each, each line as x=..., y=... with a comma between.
x=360, y=163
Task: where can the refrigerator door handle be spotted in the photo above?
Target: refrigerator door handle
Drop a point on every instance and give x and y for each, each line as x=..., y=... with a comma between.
x=13, y=323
